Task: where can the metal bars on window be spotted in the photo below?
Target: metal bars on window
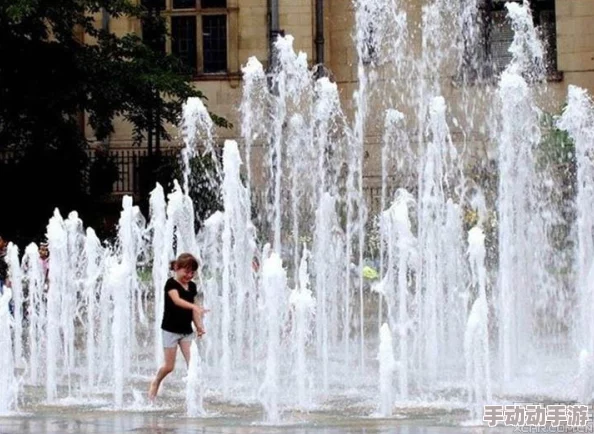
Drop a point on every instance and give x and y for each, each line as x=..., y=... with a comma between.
x=501, y=34
x=214, y=43
x=199, y=34
x=183, y=40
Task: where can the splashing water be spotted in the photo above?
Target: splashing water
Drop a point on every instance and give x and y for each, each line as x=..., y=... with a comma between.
x=194, y=389
x=296, y=329
x=8, y=381
x=93, y=253
x=401, y=250
x=58, y=282
x=387, y=364
x=578, y=121
x=16, y=279
x=476, y=336
x=197, y=128
x=303, y=305
x=36, y=311
x=519, y=230
x=161, y=246
x=274, y=283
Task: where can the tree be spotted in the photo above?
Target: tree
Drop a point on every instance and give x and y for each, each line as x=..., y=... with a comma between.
x=56, y=63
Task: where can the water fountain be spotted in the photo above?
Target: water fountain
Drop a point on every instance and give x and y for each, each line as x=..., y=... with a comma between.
x=92, y=254
x=399, y=263
x=8, y=382
x=307, y=330
x=518, y=138
x=578, y=121
x=160, y=245
x=194, y=407
x=302, y=310
x=273, y=286
x=36, y=312
x=386, y=371
x=15, y=275
x=476, y=338
x=328, y=244
x=58, y=282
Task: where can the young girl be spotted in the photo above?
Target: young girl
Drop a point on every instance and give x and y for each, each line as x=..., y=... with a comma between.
x=178, y=315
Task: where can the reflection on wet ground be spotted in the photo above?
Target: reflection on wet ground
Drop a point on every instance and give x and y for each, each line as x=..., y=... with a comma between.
x=149, y=423
x=348, y=413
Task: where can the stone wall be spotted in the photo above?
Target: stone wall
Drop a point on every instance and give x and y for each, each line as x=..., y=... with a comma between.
x=575, y=50
x=248, y=27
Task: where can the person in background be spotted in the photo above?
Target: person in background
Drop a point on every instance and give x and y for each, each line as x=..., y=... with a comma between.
x=4, y=281
x=44, y=258
x=3, y=264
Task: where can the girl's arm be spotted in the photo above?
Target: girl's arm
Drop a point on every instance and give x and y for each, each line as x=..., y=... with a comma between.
x=197, y=319
x=178, y=301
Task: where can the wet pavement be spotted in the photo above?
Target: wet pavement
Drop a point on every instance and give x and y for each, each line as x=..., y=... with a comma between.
x=350, y=413
x=170, y=424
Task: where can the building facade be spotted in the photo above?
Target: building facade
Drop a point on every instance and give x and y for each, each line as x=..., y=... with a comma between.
x=216, y=37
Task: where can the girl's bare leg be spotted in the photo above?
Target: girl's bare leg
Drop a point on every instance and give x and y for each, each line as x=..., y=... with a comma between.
x=168, y=365
x=185, y=349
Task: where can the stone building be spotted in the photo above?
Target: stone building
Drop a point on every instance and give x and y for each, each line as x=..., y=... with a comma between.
x=216, y=37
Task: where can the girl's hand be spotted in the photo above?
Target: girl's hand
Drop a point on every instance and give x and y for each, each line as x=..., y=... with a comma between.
x=200, y=331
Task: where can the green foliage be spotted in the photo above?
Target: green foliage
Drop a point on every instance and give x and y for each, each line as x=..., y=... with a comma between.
x=557, y=149
x=204, y=180
x=205, y=186
x=36, y=184
x=58, y=62
x=557, y=155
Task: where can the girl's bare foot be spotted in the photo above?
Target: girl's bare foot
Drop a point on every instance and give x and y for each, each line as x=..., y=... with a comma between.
x=153, y=389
